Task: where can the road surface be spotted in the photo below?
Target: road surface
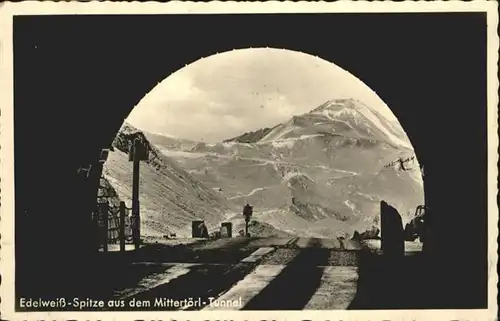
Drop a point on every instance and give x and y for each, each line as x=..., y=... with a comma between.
x=249, y=274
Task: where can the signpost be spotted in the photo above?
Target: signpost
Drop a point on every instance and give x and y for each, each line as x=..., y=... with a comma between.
x=138, y=153
x=247, y=212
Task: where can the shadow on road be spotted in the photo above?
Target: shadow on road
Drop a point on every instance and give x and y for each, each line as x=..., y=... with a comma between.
x=391, y=283
x=296, y=284
x=202, y=282
x=217, y=270
x=201, y=252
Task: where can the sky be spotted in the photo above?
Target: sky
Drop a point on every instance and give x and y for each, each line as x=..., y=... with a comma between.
x=228, y=94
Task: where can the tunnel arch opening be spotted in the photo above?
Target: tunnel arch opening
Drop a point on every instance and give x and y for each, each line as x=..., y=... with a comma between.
x=175, y=84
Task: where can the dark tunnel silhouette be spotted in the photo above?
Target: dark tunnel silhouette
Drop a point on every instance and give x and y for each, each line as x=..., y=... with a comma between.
x=78, y=85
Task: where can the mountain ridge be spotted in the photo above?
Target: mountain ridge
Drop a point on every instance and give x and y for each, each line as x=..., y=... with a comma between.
x=250, y=137
x=318, y=166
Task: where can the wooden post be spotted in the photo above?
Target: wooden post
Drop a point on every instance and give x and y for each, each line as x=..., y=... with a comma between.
x=122, y=227
x=135, y=192
x=392, y=242
x=105, y=214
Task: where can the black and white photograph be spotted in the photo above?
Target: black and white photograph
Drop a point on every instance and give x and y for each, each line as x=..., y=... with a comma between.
x=229, y=157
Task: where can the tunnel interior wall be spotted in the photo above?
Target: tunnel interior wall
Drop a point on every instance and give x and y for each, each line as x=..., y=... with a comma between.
x=77, y=78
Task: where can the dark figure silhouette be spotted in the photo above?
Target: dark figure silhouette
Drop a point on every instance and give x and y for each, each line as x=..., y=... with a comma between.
x=393, y=235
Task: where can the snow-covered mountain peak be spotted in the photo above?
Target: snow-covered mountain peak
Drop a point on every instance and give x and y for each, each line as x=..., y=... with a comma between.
x=346, y=117
x=336, y=104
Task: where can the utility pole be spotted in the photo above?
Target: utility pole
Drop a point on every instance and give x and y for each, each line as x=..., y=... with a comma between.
x=138, y=153
x=135, y=195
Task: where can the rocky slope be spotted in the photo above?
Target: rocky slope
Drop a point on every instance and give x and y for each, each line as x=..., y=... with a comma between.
x=170, y=198
x=322, y=174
